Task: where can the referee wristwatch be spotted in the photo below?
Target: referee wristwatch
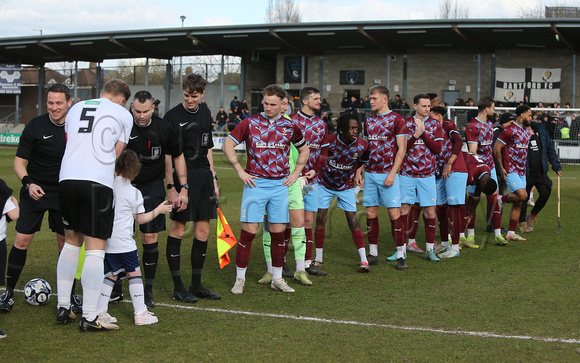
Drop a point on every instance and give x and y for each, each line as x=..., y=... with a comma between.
x=185, y=186
x=169, y=186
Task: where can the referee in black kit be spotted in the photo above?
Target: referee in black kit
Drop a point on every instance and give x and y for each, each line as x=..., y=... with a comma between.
x=156, y=142
x=193, y=122
x=37, y=165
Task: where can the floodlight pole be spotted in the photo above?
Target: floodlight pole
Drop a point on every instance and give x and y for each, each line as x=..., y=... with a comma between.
x=183, y=17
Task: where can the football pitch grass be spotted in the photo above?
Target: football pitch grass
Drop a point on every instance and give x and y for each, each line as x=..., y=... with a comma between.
x=518, y=302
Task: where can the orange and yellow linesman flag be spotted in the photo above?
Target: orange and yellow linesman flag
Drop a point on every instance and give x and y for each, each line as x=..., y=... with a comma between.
x=225, y=239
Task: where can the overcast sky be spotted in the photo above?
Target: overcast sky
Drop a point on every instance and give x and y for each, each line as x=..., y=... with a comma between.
x=28, y=17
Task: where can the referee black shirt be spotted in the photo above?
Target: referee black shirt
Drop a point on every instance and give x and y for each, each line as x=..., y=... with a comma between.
x=195, y=133
x=152, y=143
x=42, y=143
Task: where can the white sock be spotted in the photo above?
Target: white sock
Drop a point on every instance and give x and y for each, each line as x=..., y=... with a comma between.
x=470, y=232
x=363, y=254
x=269, y=265
x=462, y=235
x=531, y=195
x=92, y=280
x=455, y=247
x=411, y=240
x=400, y=252
x=106, y=289
x=373, y=249
x=445, y=243
x=276, y=273
x=241, y=272
x=300, y=265
x=318, y=255
x=429, y=246
x=307, y=263
x=66, y=270
x=511, y=233
x=137, y=294
x=497, y=232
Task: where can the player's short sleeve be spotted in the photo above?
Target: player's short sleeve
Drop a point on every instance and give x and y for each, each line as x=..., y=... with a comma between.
x=8, y=206
x=400, y=126
x=450, y=127
x=127, y=121
x=438, y=132
x=241, y=132
x=26, y=143
x=325, y=141
x=506, y=135
x=137, y=204
x=297, y=136
x=471, y=133
x=364, y=157
x=172, y=142
x=365, y=129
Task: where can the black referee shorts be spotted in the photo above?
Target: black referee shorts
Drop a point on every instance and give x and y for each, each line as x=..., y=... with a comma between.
x=32, y=212
x=87, y=207
x=202, y=203
x=153, y=194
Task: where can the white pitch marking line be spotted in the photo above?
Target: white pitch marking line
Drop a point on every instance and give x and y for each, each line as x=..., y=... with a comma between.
x=358, y=323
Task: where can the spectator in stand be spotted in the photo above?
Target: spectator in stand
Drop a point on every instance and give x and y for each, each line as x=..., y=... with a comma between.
x=329, y=124
x=405, y=108
x=344, y=105
x=243, y=106
x=575, y=128
x=471, y=114
x=325, y=107
x=156, y=103
x=233, y=121
x=398, y=102
x=354, y=105
x=234, y=104
x=367, y=103
x=221, y=119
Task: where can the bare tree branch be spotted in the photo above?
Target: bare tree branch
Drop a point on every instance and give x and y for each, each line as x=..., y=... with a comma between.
x=453, y=9
x=558, y=9
x=283, y=11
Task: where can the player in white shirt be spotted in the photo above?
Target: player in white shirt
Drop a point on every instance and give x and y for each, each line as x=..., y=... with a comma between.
x=97, y=132
x=121, y=251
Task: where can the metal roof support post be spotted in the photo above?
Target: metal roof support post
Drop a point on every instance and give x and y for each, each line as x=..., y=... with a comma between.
x=389, y=72
x=493, y=63
x=146, y=74
x=478, y=76
x=243, y=78
x=98, y=83
x=573, y=80
x=76, y=90
x=17, y=114
x=320, y=75
x=222, y=83
x=302, y=75
x=405, y=76
x=168, y=82
x=41, y=80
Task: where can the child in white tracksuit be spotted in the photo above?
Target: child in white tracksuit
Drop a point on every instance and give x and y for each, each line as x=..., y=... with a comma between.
x=121, y=251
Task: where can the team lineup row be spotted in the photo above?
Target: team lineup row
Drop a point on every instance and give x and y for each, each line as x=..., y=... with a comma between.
x=405, y=161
